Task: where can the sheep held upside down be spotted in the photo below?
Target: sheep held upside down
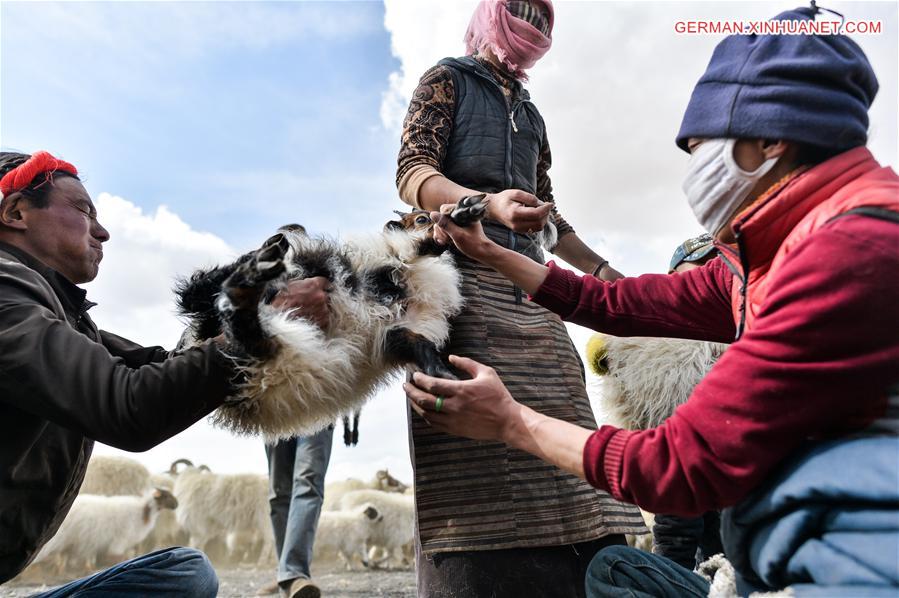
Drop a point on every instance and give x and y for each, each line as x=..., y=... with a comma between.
x=391, y=297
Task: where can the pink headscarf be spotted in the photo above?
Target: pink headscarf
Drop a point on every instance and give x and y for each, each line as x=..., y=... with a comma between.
x=517, y=43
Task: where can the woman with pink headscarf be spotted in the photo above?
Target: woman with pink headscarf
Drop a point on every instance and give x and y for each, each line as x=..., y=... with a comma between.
x=494, y=521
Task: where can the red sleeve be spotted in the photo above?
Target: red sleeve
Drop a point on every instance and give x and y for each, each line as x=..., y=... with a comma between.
x=694, y=304
x=819, y=363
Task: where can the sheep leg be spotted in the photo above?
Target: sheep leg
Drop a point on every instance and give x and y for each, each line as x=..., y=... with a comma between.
x=347, y=559
x=377, y=556
x=242, y=292
x=469, y=210
x=355, y=437
x=403, y=345
x=347, y=432
x=195, y=298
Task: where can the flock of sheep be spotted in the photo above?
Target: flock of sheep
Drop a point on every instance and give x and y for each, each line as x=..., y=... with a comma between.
x=123, y=510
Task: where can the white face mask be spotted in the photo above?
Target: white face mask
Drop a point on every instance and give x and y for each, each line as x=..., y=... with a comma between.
x=715, y=185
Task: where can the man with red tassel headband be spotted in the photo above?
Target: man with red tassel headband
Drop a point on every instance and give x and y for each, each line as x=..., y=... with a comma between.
x=65, y=384
x=509, y=518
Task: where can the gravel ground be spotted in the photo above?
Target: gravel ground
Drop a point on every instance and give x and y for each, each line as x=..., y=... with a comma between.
x=243, y=583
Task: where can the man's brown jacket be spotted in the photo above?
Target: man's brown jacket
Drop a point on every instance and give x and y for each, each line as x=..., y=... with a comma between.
x=65, y=384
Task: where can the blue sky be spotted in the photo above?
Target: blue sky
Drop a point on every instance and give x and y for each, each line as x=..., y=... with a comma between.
x=235, y=115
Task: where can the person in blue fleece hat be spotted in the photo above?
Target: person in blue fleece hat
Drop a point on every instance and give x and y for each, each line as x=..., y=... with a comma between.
x=793, y=432
x=796, y=100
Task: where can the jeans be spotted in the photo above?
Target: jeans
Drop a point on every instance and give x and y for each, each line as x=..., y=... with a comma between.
x=296, y=469
x=623, y=571
x=172, y=573
x=619, y=571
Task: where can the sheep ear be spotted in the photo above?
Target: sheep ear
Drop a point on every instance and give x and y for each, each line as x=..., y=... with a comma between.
x=394, y=225
x=293, y=228
x=157, y=493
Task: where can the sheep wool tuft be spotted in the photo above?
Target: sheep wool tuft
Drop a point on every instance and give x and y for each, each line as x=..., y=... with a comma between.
x=644, y=379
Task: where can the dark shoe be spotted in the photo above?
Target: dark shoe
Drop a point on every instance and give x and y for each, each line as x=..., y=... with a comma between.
x=301, y=588
x=268, y=589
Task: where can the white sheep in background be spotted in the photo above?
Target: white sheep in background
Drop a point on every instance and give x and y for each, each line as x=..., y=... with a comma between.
x=115, y=476
x=348, y=533
x=335, y=491
x=395, y=535
x=100, y=527
x=167, y=532
x=233, y=508
x=644, y=379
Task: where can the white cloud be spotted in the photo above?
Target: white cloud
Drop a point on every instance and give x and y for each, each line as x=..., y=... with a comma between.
x=145, y=254
x=422, y=32
x=612, y=90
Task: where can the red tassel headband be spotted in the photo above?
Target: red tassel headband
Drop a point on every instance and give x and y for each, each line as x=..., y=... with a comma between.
x=21, y=176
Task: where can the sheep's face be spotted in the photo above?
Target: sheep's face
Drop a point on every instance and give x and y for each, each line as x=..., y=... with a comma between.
x=417, y=223
x=390, y=483
x=164, y=499
x=372, y=513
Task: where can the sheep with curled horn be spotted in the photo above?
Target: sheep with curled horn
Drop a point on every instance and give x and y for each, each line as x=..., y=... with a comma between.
x=392, y=295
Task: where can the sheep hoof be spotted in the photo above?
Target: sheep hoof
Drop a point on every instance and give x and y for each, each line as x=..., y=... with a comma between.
x=469, y=210
x=264, y=265
x=347, y=436
x=438, y=370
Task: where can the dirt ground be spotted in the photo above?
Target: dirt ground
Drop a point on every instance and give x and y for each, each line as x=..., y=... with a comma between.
x=243, y=583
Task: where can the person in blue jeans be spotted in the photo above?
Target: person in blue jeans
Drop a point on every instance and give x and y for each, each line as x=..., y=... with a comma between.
x=172, y=572
x=297, y=468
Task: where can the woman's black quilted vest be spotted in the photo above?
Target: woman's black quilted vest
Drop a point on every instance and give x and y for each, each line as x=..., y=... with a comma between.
x=492, y=147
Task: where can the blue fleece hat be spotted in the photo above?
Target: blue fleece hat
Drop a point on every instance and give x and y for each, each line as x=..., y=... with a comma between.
x=812, y=89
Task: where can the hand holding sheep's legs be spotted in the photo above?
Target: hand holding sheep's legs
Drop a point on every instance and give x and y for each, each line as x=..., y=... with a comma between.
x=403, y=345
x=242, y=292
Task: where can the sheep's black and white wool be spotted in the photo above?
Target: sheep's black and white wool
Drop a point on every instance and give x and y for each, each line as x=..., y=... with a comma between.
x=391, y=297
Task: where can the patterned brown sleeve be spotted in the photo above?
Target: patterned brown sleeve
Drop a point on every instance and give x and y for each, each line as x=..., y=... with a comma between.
x=428, y=123
x=545, y=187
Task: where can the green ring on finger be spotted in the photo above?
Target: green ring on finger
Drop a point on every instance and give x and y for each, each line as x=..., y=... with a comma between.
x=438, y=405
